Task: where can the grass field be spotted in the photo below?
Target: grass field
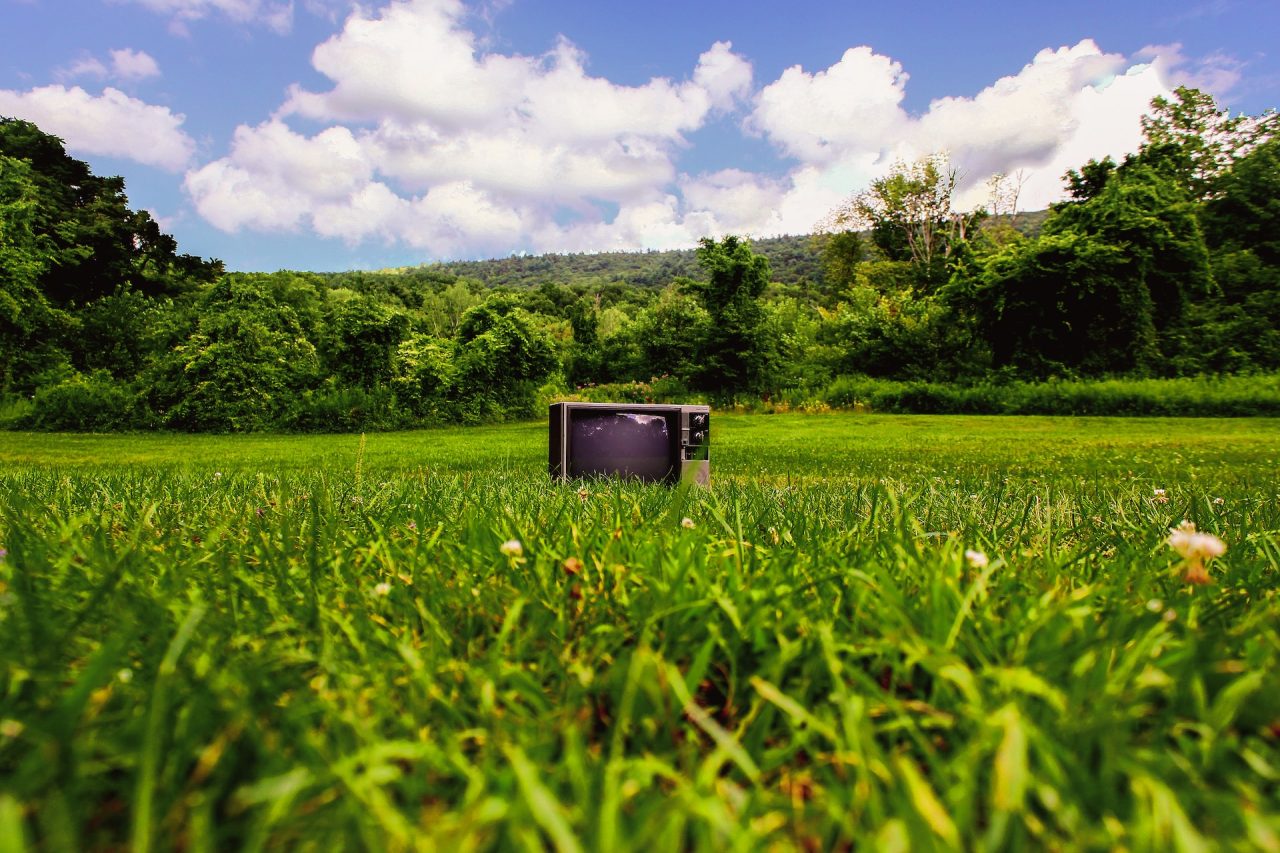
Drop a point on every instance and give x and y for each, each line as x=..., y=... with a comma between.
x=904, y=633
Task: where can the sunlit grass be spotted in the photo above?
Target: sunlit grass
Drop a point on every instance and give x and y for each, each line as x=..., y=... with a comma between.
x=907, y=633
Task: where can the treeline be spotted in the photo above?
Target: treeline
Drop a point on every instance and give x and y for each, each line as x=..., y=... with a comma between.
x=795, y=260
x=1164, y=265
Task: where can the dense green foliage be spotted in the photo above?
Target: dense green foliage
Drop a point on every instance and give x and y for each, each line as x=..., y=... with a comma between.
x=319, y=642
x=736, y=351
x=1164, y=265
x=67, y=241
x=792, y=259
x=1188, y=397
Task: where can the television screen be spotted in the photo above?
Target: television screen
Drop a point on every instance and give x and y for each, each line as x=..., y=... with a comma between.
x=625, y=444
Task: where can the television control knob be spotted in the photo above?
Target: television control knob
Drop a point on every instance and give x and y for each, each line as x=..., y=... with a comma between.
x=699, y=420
x=699, y=437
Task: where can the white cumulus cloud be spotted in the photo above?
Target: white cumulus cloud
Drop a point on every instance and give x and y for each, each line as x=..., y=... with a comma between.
x=274, y=177
x=111, y=124
x=85, y=66
x=460, y=150
x=1218, y=73
x=854, y=104
x=424, y=137
x=129, y=64
x=845, y=125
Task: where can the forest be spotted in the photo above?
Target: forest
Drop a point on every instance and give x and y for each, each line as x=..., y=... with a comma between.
x=1165, y=264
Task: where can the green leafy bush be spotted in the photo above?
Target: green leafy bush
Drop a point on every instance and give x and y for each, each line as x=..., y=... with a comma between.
x=501, y=359
x=1237, y=396
x=93, y=403
x=423, y=375
x=241, y=368
x=342, y=408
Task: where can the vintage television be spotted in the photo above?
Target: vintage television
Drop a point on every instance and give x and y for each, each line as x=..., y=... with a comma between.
x=652, y=443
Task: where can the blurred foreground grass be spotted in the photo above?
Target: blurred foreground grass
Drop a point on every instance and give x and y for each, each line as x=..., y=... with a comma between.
x=905, y=632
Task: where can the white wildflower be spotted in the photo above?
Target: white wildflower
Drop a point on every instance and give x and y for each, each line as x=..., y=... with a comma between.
x=382, y=589
x=687, y=523
x=1196, y=549
x=976, y=559
x=512, y=548
x=1192, y=545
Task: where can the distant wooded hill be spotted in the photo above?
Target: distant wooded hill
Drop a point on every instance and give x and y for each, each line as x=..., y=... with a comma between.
x=794, y=260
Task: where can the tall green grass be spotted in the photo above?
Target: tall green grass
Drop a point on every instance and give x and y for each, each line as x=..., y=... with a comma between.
x=214, y=644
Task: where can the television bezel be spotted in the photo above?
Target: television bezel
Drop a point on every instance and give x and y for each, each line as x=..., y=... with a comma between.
x=560, y=452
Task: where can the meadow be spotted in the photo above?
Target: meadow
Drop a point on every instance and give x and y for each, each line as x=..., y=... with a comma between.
x=888, y=632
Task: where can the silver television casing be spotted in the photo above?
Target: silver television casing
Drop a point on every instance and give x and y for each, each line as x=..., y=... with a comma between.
x=690, y=440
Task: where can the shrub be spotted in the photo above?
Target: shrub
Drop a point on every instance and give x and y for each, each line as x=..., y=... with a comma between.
x=93, y=403
x=500, y=361
x=241, y=369
x=338, y=408
x=1236, y=396
x=423, y=374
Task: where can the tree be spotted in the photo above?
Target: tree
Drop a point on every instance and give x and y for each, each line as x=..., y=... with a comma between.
x=671, y=333
x=1065, y=301
x=30, y=327
x=1003, y=193
x=842, y=252
x=897, y=334
x=1239, y=329
x=910, y=215
x=95, y=244
x=1090, y=180
x=583, y=362
x=360, y=342
x=1198, y=140
x=1106, y=287
x=114, y=334
x=443, y=310
x=1143, y=210
x=1246, y=212
x=423, y=375
x=500, y=358
x=737, y=354
x=242, y=366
